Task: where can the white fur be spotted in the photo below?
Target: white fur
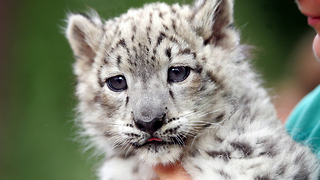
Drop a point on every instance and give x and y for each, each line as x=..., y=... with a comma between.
x=219, y=122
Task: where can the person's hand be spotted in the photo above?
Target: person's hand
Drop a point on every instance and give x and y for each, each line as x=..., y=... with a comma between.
x=171, y=172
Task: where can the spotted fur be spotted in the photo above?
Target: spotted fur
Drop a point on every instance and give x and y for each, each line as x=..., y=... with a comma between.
x=139, y=110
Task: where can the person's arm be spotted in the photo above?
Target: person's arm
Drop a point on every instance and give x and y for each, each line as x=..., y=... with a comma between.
x=304, y=122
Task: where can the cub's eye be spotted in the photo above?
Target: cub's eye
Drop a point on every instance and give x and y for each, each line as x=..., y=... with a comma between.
x=117, y=83
x=178, y=74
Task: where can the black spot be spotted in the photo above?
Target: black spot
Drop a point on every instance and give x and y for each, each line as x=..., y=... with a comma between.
x=171, y=94
x=153, y=58
x=198, y=69
x=150, y=18
x=225, y=155
x=173, y=39
x=225, y=175
x=129, y=125
x=132, y=38
x=132, y=135
x=122, y=42
x=174, y=25
x=149, y=39
x=219, y=118
x=170, y=131
x=206, y=125
x=264, y=177
x=118, y=60
x=101, y=82
x=185, y=51
x=136, y=52
x=244, y=147
x=211, y=76
x=165, y=27
x=160, y=38
x=269, y=150
x=161, y=15
x=175, y=129
x=168, y=53
x=203, y=88
x=281, y=169
x=129, y=61
x=194, y=55
x=172, y=119
x=127, y=101
x=267, y=153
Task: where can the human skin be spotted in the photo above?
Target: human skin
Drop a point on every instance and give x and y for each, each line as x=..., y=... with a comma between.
x=171, y=172
x=311, y=9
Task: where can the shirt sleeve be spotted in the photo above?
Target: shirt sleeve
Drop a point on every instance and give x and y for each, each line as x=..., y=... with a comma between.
x=304, y=122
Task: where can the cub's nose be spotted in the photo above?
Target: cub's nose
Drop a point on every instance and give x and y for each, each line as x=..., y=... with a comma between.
x=150, y=126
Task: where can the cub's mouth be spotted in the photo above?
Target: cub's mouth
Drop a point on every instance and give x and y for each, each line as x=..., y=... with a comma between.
x=156, y=142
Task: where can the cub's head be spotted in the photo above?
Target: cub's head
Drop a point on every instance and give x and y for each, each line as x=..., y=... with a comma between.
x=151, y=80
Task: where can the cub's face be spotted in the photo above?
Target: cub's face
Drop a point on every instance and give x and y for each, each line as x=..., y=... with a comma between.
x=144, y=83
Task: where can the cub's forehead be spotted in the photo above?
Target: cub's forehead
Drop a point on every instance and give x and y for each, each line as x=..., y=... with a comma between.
x=149, y=22
x=149, y=37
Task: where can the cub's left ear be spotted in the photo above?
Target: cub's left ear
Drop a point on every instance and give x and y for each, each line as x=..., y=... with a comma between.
x=213, y=20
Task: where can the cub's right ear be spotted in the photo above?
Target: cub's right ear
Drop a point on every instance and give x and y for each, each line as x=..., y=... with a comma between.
x=84, y=34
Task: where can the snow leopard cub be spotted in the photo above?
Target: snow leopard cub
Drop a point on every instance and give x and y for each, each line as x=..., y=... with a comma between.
x=166, y=84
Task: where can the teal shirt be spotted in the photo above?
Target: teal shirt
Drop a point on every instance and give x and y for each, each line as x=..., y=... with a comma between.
x=304, y=122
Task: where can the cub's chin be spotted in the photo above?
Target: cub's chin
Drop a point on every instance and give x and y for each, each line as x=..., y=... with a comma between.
x=157, y=153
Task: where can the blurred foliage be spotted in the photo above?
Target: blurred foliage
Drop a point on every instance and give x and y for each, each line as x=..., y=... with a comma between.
x=37, y=102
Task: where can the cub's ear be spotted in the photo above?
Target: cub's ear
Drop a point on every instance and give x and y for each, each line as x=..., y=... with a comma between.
x=213, y=19
x=84, y=34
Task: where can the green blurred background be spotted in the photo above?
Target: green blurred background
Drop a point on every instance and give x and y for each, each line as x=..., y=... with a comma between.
x=36, y=82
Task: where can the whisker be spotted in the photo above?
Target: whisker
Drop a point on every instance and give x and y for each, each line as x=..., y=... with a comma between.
x=177, y=137
x=130, y=146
